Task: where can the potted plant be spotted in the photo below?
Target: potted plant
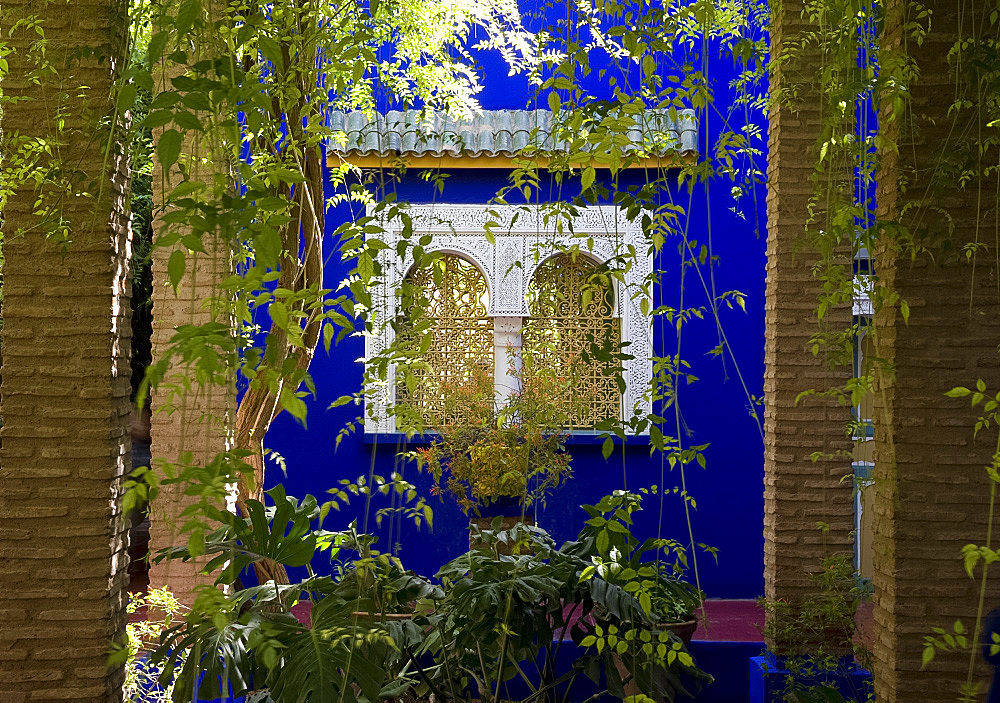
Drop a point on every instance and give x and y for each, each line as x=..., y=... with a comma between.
x=675, y=602
x=652, y=570
x=643, y=608
x=499, y=456
x=811, y=647
x=376, y=583
x=509, y=603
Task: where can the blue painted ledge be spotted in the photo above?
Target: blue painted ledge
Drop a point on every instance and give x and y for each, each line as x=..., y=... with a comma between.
x=768, y=680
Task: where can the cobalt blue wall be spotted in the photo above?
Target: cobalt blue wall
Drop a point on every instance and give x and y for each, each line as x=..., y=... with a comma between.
x=715, y=409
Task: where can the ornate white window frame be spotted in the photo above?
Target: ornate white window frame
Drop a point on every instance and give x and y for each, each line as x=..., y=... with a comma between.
x=525, y=234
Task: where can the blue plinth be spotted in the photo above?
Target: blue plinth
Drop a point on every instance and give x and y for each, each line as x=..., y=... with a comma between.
x=769, y=680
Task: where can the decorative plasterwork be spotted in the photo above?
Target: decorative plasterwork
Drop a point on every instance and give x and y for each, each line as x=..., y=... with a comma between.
x=524, y=236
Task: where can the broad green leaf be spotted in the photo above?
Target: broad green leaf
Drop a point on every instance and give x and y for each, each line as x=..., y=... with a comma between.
x=279, y=314
x=168, y=148
x=175, y=267
x=295, y=406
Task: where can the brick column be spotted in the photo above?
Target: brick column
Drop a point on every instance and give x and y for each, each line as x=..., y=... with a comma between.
x=798, y=492
x=198, y=420
x=65, y=388
x=931, y=485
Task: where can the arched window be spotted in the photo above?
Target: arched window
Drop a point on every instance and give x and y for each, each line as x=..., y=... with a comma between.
x=458, y=360
x=568, y=323
x=572, y=331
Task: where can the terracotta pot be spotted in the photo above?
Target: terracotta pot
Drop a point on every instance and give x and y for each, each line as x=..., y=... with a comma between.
x=506, y=522
x=684, y=630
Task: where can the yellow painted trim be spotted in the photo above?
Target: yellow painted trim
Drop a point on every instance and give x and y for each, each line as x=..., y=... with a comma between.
x=508, y=162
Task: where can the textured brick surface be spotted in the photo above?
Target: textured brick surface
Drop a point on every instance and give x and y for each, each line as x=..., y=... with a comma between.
x=931, y=487
x=198, y=420
x=798, y=492
x=65, y=386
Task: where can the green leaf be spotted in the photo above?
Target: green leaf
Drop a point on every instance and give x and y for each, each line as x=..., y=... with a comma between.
x=187, y=15
x=327, y=335
x=271, y=51
x=646, y=602
x=587, y=177
x=366, y=267
x=279, y=314
x=648, y=65
x=168, y=148
x=295, y=406
x=175, y=267
x=126, y=97
x=157, y=118
x=156, y=45
x=188, y=121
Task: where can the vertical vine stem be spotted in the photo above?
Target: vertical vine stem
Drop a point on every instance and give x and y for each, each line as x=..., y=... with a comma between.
x=977, y=629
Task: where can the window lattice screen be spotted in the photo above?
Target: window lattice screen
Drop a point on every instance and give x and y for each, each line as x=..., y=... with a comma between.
x=572, y=315
x=455, y=299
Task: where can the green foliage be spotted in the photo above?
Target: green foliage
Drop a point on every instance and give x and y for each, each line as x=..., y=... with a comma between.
x=376, y=582
x=621, y=559
x=500, y=609
x=507, y=605
x=494, y=448
x=823, y=623
x=144, y=680
x=232, y=643
x=281, y=534
x=814, y=638
x=981, y=556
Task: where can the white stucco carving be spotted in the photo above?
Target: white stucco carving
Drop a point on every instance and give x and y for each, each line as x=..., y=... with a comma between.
x=524, y=236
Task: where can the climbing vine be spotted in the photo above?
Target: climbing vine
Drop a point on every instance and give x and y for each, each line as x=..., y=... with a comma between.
x=875, y=199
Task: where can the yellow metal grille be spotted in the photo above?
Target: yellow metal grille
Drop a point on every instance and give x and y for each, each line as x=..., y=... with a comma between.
x=459, y=357
x=572, y=316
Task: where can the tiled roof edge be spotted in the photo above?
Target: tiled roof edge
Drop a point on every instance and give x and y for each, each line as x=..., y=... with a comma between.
x=495, y=133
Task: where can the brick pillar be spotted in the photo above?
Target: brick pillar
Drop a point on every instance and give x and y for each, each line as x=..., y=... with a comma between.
x=798, y=492
x=197, y=420
x=66, y=342
x=931, y=485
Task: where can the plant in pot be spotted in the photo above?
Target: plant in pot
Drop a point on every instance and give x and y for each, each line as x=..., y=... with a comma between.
x=812, y=653
x=498, y=457
x=376, y=583
x=484, y=638
x=652, y=570
x=509, y=603
x=643, y=609
x=675, y=601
